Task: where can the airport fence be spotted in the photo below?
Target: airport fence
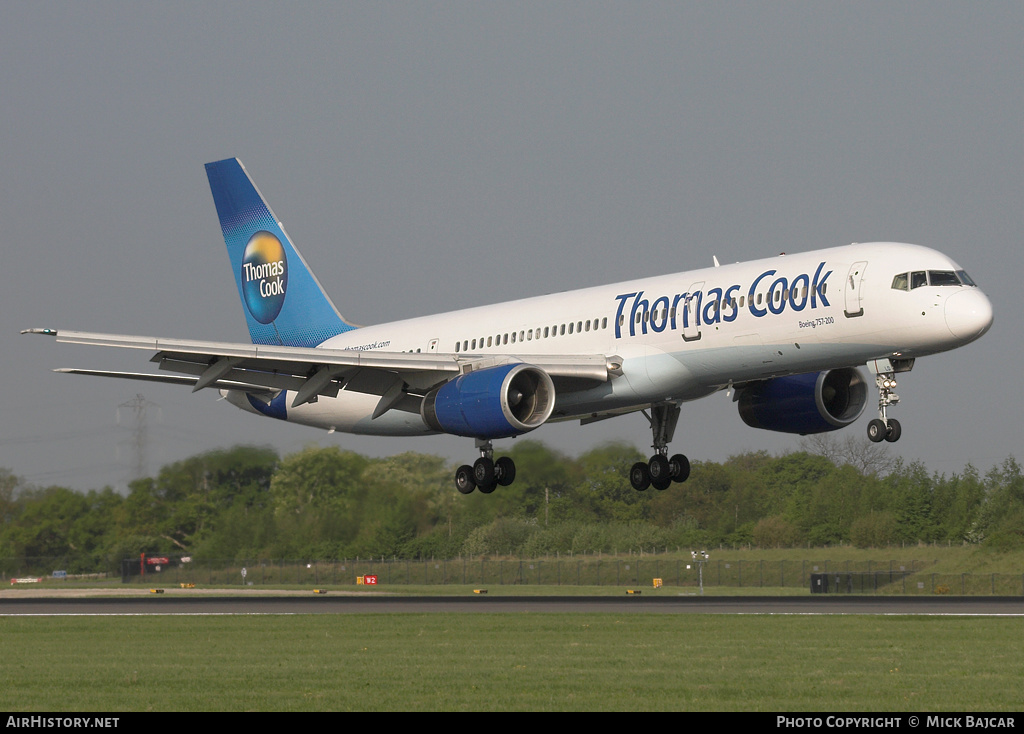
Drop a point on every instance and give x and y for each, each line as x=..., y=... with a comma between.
x=869, y=577
x=886, y=577
x=589, y=571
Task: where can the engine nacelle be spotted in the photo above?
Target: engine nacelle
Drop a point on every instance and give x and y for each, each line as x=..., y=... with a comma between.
x=809, y=403
x=496, y=402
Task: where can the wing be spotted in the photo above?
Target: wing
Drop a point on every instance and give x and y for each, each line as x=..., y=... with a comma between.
x=400, y=378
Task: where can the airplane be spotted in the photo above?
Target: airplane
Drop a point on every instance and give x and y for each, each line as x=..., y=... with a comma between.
x=786, y=334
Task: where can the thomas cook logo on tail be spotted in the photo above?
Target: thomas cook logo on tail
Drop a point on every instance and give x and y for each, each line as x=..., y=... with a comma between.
x=264, y=276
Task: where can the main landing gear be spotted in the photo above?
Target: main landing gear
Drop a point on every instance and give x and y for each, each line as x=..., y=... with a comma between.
x=486, y=473
x=884, y=428
x=661, y=470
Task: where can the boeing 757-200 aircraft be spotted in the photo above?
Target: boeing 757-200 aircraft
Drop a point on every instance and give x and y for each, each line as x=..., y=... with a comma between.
x=787, y=334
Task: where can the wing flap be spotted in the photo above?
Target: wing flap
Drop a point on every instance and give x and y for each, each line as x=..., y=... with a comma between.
x=166, y=379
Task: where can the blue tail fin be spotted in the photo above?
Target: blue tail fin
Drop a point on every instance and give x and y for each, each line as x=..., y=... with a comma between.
x=283, y=302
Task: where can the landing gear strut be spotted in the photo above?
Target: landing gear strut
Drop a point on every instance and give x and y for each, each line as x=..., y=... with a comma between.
x=661, y=470
x=884, y=428
x=486, y=473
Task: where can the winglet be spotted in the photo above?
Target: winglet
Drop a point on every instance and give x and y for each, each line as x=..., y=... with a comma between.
x=284, y=303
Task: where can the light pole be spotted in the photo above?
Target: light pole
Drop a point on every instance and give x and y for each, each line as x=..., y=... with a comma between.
x=700, y=558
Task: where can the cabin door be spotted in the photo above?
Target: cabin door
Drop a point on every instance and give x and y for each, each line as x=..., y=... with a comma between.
x=853, y=290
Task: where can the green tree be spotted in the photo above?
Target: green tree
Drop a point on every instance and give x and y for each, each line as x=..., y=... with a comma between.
x=775, y=532
x=317, y=495
x=957, y=502
x=875, y=530
x=603, y=491
x=1001, y=520
x=911, y=491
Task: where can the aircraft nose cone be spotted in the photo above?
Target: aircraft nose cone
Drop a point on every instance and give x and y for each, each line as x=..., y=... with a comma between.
x=968, y=314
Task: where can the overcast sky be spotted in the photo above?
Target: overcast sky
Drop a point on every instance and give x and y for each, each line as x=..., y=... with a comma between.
x=433, y=156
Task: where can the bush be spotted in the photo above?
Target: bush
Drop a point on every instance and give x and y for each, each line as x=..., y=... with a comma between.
x=877, y=530
x=775, y=532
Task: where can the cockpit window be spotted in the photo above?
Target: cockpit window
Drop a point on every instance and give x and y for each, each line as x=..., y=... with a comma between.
x=943, y=277
x=935, y=277
x=965, y=278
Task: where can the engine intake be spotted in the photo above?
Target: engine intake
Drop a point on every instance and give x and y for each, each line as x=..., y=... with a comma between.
x=809, y=403
x=496, y=402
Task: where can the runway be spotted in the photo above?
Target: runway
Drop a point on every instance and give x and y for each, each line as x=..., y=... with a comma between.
x=242, y=604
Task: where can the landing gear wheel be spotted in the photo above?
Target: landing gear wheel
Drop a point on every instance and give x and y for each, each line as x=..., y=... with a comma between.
x=487, y=488
x=893, y=431
x=483, y=472
x=464, y=481
x=659, y=469
x=639, y=476
x=877, y=430
x=505, y=471
x=679, y=468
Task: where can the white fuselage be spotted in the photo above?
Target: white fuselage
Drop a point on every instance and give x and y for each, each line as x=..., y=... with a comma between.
x=686, y=335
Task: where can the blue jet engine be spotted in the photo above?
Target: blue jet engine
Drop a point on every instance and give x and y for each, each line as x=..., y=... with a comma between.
x=811, y=403
x=495, y=402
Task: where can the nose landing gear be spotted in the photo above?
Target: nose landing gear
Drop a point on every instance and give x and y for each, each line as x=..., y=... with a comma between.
x=884, y=428
x=660, y=471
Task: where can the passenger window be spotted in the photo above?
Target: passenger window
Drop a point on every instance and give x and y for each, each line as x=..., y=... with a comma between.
x=570, y=327
x=901, y=283
x=918, y=279
x=604, y=323
x=513, y=337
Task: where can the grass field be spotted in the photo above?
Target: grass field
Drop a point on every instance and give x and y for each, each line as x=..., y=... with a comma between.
x=502, y=662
